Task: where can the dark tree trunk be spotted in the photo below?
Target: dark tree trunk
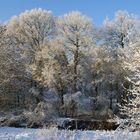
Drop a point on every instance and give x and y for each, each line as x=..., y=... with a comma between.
x=111, y=102
x=76, y=61
x=122, y=40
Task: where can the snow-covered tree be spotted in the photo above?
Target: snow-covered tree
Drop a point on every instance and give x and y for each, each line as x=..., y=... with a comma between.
x=121, y=31
x=3, y=75
x=131, y=63
x=107, y=74
x=76, y=31
x=55, y=72
x=33, y=27
x=12, y=71
x=32, y=30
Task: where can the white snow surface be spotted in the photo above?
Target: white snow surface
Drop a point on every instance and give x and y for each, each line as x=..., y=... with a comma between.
x=7, y=133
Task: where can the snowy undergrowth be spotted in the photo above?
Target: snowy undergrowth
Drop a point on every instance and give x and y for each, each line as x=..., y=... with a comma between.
x=55, y=134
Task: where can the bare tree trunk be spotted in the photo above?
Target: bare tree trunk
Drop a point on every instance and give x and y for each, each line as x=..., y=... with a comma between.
x=76, y=61
x=110, y=102
x=122, y=40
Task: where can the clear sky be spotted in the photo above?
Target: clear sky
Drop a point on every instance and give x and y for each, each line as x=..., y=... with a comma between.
x=96, y=9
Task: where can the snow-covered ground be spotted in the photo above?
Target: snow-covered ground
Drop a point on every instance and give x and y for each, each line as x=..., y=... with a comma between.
x=55, y=134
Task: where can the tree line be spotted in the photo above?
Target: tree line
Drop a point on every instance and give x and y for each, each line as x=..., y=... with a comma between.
x=40, y=52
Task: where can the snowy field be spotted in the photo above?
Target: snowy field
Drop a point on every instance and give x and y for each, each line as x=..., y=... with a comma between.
x=55, y=134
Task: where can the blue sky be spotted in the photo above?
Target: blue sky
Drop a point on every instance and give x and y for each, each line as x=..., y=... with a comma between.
x=96, y=9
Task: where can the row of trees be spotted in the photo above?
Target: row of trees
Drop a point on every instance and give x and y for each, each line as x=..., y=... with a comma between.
x=40, y=52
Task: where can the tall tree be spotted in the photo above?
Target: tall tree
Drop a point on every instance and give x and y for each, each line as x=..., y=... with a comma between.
x=32, y=30
x=12, y=69
x=76, y=31
x=132, y=105
x=121, y=31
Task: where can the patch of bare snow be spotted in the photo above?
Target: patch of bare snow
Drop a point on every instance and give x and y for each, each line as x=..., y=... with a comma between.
x=7, y=133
